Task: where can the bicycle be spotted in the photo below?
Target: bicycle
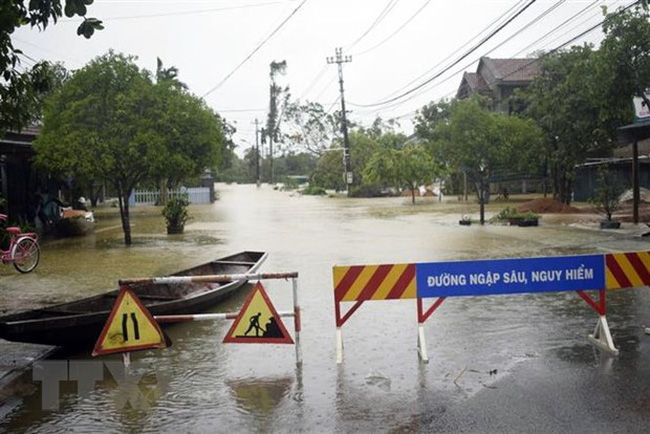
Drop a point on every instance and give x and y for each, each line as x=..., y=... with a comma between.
x=23, y=251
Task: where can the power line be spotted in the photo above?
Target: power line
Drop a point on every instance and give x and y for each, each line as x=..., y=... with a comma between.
x=559, y=47
x=462, y=69
x=260, y=45
x=384, y=12
x=313, y=82
x=332, y=105
x=326, y=88
x=559, y=26
x=188, y=12
x=339, y=59
x=575, y=38
x=399, y=29
x=244, y=110
x=467, y=53
x=468, y=42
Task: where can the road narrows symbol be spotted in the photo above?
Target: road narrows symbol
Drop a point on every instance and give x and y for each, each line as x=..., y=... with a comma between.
x=125, y=330
x=136, y=330
x=125, y=327
x=129, y=327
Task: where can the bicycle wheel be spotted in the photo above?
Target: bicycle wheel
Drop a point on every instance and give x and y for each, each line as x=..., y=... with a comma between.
x=26, y=254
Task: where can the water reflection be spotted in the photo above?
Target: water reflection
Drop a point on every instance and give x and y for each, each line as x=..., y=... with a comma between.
x=260, y=396
x=200, y=384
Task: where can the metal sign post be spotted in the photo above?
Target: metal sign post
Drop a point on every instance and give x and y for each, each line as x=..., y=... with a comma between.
x=167, y=319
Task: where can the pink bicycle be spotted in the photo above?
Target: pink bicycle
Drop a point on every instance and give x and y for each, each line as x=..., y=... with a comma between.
x=23, y=250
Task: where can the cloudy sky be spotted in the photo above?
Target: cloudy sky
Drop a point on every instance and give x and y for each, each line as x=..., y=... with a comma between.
x=395, y=45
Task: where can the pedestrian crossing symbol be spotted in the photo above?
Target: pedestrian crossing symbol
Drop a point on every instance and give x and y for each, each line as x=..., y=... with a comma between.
x=130, y=327
x=258, y=322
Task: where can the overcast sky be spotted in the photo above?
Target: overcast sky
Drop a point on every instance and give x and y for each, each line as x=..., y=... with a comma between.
x=207, y=40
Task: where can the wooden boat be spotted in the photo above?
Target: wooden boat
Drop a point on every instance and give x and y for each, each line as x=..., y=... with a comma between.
x=79, y=323
x=75, y=223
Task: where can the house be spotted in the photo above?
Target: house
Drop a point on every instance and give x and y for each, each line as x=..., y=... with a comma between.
x=498, y=79
x=18, y=179
x=586, y=179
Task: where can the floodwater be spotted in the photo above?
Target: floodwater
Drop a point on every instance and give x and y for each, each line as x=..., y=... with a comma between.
x=500, y=363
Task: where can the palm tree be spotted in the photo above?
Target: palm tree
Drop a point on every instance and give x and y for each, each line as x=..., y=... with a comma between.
x=168, y=75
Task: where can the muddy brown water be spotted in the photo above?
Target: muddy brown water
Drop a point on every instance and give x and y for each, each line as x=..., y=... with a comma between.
x=476, y=344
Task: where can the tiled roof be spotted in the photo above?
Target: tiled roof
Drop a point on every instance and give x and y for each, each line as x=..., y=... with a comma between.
x=474, y=81
x=512, y=69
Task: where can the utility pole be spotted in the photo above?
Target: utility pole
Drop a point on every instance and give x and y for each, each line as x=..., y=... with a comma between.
x=257, y=152
x=339, y=59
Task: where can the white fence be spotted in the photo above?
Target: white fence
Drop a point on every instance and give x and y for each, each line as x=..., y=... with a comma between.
x=195, y=195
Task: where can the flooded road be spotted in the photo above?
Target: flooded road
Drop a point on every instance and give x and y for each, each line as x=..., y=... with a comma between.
x=500, y=363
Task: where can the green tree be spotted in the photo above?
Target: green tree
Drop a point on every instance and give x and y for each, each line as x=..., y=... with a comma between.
x=480, y=142
x=566, y=102
x=190, y=132
x=310, y=127
x=329, y=170
x=607, y=198
x=14, y=85
x=32, y=87
x=109, y=121
x=624, y=70
x=408, y=167
x=168, y=76
x=429, y=117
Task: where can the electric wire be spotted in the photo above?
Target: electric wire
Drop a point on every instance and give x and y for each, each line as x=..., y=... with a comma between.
x=399, y=29
x=564, y=44
x=384, y=12
x=457, y=61
x=313, y=82
x=325, y=88
x=462, y=69
x=187, y=12
x=467, y=43
x=333, y=104
x=570, y=30
x=259, y=46
x=575, y=38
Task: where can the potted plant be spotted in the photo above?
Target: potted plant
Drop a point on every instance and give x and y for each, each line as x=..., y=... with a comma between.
x=515, y=218
x=607, y=199
x=465, y=220
x=175, y=213
x=528, y=219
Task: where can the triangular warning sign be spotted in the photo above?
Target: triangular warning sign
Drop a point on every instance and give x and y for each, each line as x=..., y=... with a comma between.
x=130, y=327
x=258, y=322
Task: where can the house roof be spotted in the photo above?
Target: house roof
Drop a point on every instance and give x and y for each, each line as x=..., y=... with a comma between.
x=471, y=83
x=19, y=141
x=475, y=81
x=490, y=72
x=511, y=70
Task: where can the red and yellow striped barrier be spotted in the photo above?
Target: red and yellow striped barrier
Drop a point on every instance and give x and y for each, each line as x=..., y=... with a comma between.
x=627, y=270
x=374, y=282
x=581, y=273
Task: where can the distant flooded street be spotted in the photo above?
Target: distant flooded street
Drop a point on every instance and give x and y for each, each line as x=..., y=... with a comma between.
x=499, y=363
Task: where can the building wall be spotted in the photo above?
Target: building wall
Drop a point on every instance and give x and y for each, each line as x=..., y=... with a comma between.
x=587, y=178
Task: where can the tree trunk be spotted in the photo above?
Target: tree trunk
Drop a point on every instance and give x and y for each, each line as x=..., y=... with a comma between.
x=123, y=198
x=480, y=191
x=556, y=183
x=412, y=196
x=162, y=198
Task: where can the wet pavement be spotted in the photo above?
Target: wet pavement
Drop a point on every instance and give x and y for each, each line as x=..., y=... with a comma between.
x=498, y=364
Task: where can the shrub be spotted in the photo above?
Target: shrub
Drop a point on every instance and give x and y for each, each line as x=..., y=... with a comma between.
x=175, y=212
x=512, y=215
x=607, y=198
x=313, y=190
